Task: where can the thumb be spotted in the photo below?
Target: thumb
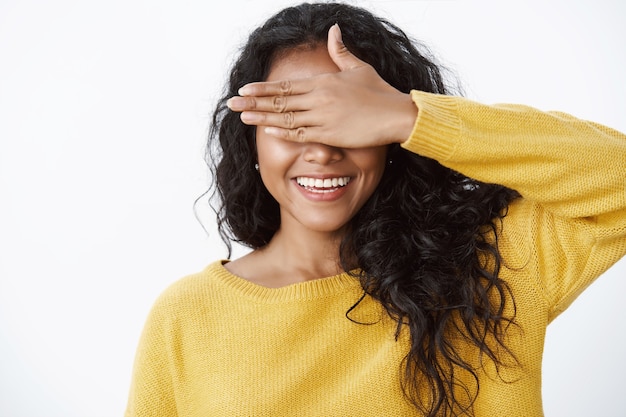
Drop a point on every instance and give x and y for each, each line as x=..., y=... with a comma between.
x=338, y=52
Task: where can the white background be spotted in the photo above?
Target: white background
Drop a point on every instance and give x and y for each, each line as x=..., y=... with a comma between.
x=104, y=108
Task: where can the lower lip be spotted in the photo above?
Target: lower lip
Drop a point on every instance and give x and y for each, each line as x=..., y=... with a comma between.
x=333, y=195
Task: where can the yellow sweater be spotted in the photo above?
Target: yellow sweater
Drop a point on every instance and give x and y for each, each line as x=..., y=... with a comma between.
x=218, y=345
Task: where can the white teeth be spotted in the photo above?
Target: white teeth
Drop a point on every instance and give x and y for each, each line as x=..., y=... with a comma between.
x=326, y=183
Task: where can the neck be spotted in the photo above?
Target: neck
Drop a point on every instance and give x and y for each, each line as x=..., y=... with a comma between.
x=308, y=254
x=295, y=254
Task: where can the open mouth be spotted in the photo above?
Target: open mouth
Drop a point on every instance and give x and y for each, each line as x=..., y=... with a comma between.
x=326, y=185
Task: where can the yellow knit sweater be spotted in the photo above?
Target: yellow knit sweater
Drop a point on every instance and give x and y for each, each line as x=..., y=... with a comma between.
x=218, y=345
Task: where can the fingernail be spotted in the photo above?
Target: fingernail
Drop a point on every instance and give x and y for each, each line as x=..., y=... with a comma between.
x=236, y=103
x=243, y=90
x=250, y=117
x=338, y=33
x=272, y=131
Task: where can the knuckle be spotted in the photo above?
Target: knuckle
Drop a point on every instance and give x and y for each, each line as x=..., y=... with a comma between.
x=289, y=119
x=300, y=134
x=285, y=87
x=279, y=104
x=251, y=103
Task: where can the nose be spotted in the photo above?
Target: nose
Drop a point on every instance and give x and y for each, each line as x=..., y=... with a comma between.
x=318, y=153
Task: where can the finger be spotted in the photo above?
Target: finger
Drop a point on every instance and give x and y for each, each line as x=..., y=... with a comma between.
x=293, y=135
x=276, y=88
x=238, y=103
x=338, y=52
x=286, y=120
x=276, y=104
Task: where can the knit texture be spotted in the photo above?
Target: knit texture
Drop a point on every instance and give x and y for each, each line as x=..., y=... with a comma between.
x=218, y=345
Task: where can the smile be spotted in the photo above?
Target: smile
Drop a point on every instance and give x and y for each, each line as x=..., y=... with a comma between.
x=326, y=185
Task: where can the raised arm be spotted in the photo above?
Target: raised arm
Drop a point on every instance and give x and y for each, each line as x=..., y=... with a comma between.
x=571, y=223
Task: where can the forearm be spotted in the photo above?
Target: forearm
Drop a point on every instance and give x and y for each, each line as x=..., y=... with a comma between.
x=572, y=167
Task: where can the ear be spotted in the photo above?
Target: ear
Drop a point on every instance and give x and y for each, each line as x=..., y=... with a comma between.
x=338, y=52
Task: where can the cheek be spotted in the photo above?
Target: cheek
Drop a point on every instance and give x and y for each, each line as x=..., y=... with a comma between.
x=269, y=151
x=372, y=161
x=275, y=156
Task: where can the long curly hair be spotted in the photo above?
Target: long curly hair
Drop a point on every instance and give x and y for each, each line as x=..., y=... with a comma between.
x=425, y=243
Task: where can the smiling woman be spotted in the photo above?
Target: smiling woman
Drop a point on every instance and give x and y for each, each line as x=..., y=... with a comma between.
x=409, y=247
x=104, y=107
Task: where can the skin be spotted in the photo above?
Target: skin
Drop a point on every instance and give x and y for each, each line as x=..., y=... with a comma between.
x=328, y=96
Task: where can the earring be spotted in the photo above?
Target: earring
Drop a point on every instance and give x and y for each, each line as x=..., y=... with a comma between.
x=390, y=161
x=256, y=166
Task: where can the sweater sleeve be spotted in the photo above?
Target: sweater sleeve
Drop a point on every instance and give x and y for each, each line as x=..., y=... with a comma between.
x=570, y=224
x=152, y=390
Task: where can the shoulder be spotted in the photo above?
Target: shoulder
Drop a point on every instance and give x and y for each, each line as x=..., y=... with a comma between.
x=189, y=291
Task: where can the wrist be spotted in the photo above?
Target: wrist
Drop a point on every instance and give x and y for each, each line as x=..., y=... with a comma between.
x=403, y=121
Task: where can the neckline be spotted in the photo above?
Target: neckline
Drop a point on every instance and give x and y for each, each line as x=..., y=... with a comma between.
x=306, y=290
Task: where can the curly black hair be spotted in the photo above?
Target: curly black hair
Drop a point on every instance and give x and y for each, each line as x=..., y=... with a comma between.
x=425, y=243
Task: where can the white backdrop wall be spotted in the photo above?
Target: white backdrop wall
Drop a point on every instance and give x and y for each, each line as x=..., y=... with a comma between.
x=104, y=108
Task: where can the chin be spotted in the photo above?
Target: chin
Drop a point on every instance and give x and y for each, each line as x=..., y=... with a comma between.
x=325, y=226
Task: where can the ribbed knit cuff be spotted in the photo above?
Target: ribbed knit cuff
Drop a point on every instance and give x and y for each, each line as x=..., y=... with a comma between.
x=437, y=127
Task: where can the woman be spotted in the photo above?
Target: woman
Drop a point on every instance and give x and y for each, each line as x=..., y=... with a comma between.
x=409, y=247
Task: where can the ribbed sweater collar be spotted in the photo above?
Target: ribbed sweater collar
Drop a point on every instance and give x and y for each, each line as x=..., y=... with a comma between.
x=307, y=290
